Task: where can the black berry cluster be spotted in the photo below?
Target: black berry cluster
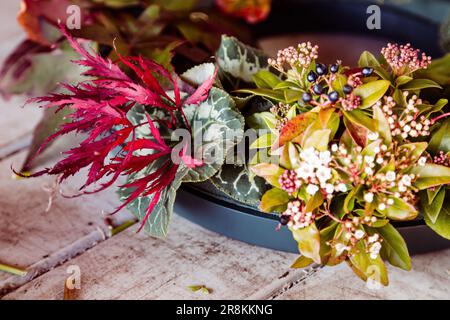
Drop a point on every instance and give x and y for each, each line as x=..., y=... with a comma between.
x=321, y=78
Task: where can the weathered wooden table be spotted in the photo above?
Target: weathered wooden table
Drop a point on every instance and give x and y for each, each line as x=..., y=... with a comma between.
x=73, y=236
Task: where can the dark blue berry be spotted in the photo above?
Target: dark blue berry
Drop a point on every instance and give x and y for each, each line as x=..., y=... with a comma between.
x=334, y=68
x=318, y=89
x=284, y=219
x=321, y=69
x=306, y=97
x=312, y=76
x=367, y=71
x=333, y=96
x=347, y=89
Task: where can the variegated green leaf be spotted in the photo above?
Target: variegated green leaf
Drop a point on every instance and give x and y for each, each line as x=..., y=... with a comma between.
x=239, y=62
x=216, y=126
x=199, y=74
x=239, y=184
x=157, y=224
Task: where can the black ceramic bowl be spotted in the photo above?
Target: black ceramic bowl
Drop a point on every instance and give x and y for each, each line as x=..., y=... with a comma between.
x=203, y=204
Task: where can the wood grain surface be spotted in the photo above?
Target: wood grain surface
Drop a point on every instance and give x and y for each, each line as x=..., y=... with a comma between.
x=135, y=266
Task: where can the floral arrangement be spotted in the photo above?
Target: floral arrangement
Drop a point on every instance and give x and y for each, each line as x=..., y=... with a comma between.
x=339, y=153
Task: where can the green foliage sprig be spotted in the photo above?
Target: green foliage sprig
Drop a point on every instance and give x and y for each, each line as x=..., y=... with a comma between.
x=354, y=150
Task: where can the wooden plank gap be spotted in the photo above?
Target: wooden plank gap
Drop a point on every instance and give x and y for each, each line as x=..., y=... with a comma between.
x=283, y=284
x=15, y=147
x=54, y=260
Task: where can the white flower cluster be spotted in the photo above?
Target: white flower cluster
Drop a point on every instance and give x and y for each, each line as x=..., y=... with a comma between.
x=315, y=172
x=407, y=124
x=385, y=187
x=353, y=234
x=374, y=246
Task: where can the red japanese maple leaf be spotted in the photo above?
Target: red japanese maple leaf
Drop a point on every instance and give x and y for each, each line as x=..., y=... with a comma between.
x=100, y=108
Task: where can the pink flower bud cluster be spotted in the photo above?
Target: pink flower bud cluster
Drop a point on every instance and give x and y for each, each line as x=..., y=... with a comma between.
x=302, y=55
x=351, y=102
x=299, y=218
x=404, y=58
x=407, y=124
x=289, y=181
x=354, y=80
x=442, y=159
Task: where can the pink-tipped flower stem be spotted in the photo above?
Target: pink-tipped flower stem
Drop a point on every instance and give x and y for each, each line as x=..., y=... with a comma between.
x=442, y=116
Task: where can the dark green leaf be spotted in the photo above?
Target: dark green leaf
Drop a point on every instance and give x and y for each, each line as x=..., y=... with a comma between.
x=432, y=210
x=442, y=224
x=431, y=175
x=265, y=79
x=418, y=84
x=440, y=140
x=394, y=248
x=367, y=59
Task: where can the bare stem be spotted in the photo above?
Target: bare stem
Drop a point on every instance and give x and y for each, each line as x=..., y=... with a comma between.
x=440, y=117
x=12, y=270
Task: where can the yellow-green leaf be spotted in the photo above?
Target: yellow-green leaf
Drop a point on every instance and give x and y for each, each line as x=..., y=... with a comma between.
x=308, y=240
x=273, y=199
x=367, y=268
x=431, y=175
x=264, y=141
x=302, y=262
x=371, y=92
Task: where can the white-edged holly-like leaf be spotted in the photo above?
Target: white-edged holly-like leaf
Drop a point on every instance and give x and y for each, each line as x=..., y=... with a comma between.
x=217, y=126
x=239, y=62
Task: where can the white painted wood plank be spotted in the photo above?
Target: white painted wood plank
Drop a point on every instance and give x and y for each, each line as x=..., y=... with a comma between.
x=29, y=234
x=131, y=266
x=15, y=121
x=429, y=279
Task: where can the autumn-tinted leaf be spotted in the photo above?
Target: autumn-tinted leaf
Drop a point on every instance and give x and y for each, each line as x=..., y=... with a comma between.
x=253, y=11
